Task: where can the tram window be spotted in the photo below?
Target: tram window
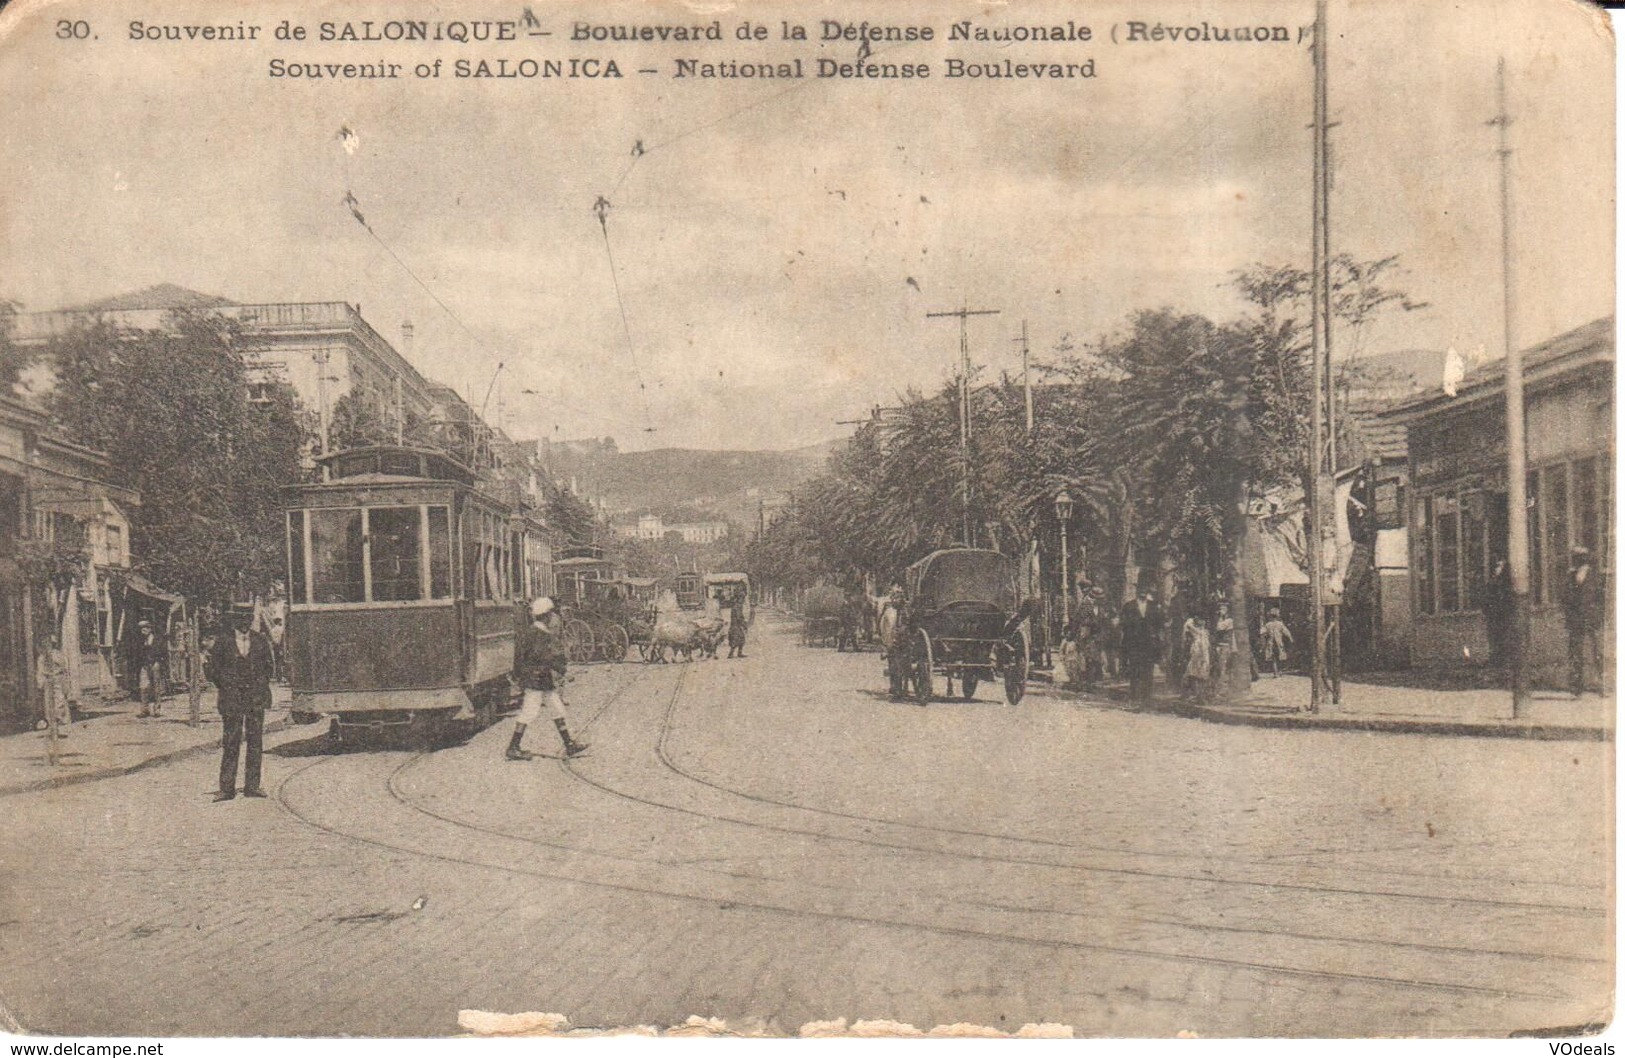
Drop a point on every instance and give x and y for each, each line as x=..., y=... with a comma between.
x=296, y=555
x=336, y=556
x=402, y=464
x=439, y=553
x=393, y=535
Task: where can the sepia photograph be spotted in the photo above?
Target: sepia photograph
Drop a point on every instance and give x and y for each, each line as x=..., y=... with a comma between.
x=807, y=519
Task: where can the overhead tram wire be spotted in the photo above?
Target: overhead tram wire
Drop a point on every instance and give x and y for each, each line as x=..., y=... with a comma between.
x=601, y=209
x=355, y=211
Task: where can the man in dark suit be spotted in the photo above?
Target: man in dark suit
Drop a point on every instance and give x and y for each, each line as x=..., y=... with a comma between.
x=239, y=666
x=1584, y=612
x=1141, y=642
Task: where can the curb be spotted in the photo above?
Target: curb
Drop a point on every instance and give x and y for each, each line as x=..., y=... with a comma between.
x=1390, y=725
x=1399, y=726
x=50, y=782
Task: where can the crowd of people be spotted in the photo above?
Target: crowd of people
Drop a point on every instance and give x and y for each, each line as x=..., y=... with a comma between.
x=1194, y=643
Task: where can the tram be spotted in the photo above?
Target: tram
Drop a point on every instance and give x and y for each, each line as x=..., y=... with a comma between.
x=406, y=587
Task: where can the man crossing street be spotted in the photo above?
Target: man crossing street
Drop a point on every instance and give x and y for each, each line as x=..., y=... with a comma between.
x=539, y=668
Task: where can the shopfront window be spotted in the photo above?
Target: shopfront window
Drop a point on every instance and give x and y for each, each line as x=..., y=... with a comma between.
x=1447, y=548
x=1473, y=543
x=1424, y=555
x=1554, y=503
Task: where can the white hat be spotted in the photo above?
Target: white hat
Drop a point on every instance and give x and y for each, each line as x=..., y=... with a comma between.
x=541, y=607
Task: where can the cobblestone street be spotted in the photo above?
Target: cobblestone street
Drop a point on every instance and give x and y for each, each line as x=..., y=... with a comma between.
x=771, y=840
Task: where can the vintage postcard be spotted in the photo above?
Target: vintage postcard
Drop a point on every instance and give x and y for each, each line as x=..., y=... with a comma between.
x=818, y=518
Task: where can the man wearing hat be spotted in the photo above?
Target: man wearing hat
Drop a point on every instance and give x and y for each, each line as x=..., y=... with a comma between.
x=1583, y=617
x=239, y=665
x=148, y=661
x=539, y=667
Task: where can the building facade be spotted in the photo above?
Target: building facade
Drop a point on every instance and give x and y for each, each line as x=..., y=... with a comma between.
x=341, y=368
x=1457, y=503
x=64, y=555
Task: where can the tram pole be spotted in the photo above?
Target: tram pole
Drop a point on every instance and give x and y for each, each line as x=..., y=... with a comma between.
x=963, y=313
x=1320, y=327
x=1517, y=501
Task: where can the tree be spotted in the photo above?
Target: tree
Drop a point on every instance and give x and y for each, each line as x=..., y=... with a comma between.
x=170, y=408
x=14, y=358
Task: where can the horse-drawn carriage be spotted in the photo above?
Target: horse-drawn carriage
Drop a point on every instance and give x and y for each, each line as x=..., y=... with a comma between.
x=963, y=619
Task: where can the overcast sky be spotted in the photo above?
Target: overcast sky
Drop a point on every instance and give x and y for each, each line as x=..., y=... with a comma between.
x=765, y=242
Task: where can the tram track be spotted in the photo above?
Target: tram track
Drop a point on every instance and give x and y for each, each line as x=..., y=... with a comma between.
x=285, y=803
x=393, y=785
x=663, y=754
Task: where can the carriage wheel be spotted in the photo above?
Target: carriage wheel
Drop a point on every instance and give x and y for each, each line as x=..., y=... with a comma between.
x=1015, y=669
x=922, y=669
x=578, y=641
x=613, y=643
x=967, y=682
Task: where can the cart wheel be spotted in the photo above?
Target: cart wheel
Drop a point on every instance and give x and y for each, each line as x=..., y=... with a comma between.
x=922, y=669
x=578, y=641
x=613, y=643
x=967, y=683
x=1015, y=669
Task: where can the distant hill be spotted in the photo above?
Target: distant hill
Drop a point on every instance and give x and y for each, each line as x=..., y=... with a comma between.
x=685, y=483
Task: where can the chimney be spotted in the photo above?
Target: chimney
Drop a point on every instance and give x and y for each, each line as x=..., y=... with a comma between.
x=406, y=338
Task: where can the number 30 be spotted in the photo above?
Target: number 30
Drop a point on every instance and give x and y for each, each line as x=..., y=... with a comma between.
x=77, y=30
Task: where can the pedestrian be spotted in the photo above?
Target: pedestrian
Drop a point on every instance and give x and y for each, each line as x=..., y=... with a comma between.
x=1224, y=643
x=1277, y=640
x=239, y=666
x=737, y=625
x=1198, y=659
x=278, y=664
x=1142, y=642
x=539, y=668
x=1179, y=612
x=1091, y=647
x=148, y=660
x=1583, y=617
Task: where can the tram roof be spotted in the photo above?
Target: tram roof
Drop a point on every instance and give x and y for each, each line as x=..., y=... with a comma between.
x=381, y=463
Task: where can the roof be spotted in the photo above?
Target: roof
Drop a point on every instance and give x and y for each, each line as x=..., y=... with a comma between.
x=162, y=296
x=1589, y=343
x=1379, y=437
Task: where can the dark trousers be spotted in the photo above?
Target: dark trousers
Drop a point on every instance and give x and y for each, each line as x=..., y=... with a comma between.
x=1141, y=673
x=236, y=724
x=1584, y=639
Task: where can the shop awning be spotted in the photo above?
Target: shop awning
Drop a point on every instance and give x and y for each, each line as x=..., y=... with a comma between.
x=142, y=586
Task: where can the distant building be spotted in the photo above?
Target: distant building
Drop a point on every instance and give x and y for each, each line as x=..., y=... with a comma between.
x=1457, y=503
x=654, y=527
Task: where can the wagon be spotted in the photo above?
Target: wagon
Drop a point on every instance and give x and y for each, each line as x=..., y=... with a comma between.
x=821, y=616
x=963, y=620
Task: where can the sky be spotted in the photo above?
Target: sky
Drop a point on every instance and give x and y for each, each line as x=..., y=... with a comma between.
x=767, y=263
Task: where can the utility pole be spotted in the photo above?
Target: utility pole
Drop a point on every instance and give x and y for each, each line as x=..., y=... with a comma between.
x=1321, y=330
x=1026, y=378
x=1517, y=502
x=964, y=312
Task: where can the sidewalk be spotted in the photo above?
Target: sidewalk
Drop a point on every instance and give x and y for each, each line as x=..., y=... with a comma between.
x=1279, y=702
x=110, y=741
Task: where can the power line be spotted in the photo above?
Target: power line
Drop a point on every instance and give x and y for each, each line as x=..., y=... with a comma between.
x=601, y=208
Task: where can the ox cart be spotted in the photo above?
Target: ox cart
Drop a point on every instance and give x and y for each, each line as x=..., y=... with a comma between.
x=962, y=619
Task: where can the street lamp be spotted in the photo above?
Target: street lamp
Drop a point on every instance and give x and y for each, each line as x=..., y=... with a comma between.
x=1063, y=514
